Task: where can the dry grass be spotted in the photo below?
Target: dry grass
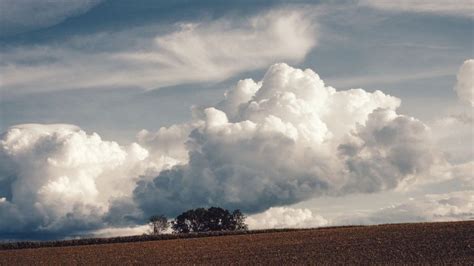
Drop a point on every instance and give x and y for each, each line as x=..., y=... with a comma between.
x=401, y=243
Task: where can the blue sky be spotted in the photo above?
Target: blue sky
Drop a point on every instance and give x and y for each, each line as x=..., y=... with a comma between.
x=117, y=68
x=412, y=55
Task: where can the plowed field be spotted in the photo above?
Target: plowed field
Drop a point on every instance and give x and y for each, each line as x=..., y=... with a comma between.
x=433, y=243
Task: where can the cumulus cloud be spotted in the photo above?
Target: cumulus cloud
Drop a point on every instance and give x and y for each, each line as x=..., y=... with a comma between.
x=57, y=177
x=453, y=133
x=193, y=52
x=23, y=15
x=453, y=206
x=454, y=136
x=465, y=82
x=286, y=138
x=390, y=148
x=463, y=8
x=285, y=217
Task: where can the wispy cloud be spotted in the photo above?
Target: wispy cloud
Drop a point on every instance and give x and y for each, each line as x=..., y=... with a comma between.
x=195, y=52
x=391, y=78
x=464, y=8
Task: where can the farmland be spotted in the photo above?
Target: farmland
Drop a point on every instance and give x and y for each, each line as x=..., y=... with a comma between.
x=449, y=242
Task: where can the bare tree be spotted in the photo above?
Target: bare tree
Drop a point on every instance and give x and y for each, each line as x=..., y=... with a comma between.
x=159, y=224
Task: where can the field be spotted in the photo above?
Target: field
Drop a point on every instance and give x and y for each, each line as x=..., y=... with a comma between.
x=439, y=243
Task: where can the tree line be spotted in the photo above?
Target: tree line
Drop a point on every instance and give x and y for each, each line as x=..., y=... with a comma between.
x=200, y=220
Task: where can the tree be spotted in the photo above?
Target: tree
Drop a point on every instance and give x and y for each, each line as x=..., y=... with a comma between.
x=158, y=223
x=238, y=220
x=211, y=219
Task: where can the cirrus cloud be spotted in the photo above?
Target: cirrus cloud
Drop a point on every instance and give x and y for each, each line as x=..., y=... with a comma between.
x=463, y=8
x=207, y=51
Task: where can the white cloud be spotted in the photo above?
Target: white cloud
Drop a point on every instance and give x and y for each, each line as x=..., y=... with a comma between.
x=199, y=52
x=465, y=82
x=282, y=140
x=463, y=8
x=56, y=177
x=121, y=231
x=23, y=15
x=285, y=139
x=453, y=206
x=285, y=217
x=454, y=136
x=389, y=152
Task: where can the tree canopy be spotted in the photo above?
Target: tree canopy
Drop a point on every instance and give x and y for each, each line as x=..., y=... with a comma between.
x=211, y=219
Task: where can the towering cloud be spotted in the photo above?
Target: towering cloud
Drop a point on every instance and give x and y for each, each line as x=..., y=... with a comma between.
x=57, y=178
x=285, y=139
x=281, y=140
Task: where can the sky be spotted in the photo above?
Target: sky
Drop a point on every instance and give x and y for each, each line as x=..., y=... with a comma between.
x=299, y=113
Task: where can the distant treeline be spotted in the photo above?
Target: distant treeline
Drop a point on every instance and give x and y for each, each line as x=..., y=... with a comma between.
x=193, y=223
x=126, y=239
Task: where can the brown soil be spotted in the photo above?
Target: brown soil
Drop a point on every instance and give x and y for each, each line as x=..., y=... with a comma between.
x=432, y=243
